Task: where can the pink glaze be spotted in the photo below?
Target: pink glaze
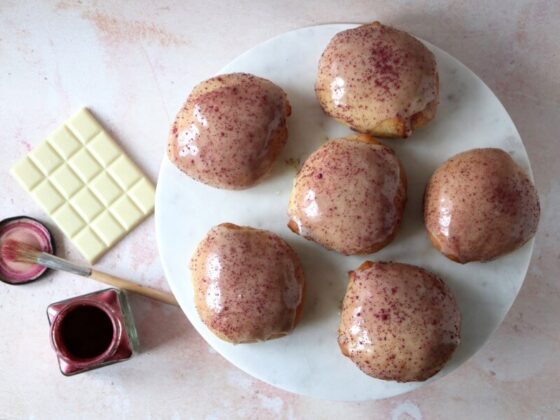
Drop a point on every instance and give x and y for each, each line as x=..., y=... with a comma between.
x=398, y=322
x=374, y=73
x=479, y=205
x=28, y=231
x=248, y=284
x=230, y=130
x=349, y=196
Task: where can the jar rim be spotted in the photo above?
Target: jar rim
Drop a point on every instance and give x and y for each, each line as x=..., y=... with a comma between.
x=58, y=342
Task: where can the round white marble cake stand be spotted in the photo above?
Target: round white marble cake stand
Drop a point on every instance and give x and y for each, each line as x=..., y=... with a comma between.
x=308, y=360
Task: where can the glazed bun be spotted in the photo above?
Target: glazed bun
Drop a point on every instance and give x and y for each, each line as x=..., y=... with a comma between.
x=230, y=130
x=378, y=80
x=480, y=205
x=349, y=196
x=248, y=284
x=398, y=322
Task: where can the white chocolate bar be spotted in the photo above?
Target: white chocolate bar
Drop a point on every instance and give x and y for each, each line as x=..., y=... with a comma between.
x=86, y=184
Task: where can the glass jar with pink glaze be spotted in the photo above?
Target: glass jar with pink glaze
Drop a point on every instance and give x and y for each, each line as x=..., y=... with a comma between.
x=91, y=331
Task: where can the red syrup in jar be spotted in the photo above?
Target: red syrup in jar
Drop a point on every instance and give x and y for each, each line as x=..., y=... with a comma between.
x=86, y=332
x=92, y=331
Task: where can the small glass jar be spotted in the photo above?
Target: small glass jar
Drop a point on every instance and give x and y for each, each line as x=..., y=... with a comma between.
x=91, y=331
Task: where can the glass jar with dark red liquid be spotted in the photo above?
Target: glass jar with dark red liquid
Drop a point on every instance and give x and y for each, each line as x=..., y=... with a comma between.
x=92, y=330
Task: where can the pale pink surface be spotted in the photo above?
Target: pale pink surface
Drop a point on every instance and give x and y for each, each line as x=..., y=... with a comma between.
x=133, y=64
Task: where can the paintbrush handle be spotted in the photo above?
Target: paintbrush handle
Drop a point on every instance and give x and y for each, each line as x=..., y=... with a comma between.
x=57, y=263
x=133, y=287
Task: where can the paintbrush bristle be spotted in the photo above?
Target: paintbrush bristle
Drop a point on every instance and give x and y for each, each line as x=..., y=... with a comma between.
x=15, y=251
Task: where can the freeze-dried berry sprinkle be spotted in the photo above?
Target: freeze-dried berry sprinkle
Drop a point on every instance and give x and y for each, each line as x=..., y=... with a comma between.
x=479, y=205
x=398, y=322
x=349, y=196
x=374, y=73
x=248, y=283
x=230, y=130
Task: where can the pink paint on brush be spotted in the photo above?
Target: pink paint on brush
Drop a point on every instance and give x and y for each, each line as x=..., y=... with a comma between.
x=28, y=231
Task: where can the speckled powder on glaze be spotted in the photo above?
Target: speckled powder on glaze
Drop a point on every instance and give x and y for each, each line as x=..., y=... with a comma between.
x=349, y=196
x=248, y=284
x=230, y=130
x=374, y=73
x=398, y=322
x=480, y=205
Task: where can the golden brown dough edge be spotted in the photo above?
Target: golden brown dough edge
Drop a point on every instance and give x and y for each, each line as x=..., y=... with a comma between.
x=393, y=128
x=396, y=128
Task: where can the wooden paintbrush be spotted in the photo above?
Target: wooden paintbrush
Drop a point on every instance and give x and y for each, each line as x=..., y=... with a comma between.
x=20, y=252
